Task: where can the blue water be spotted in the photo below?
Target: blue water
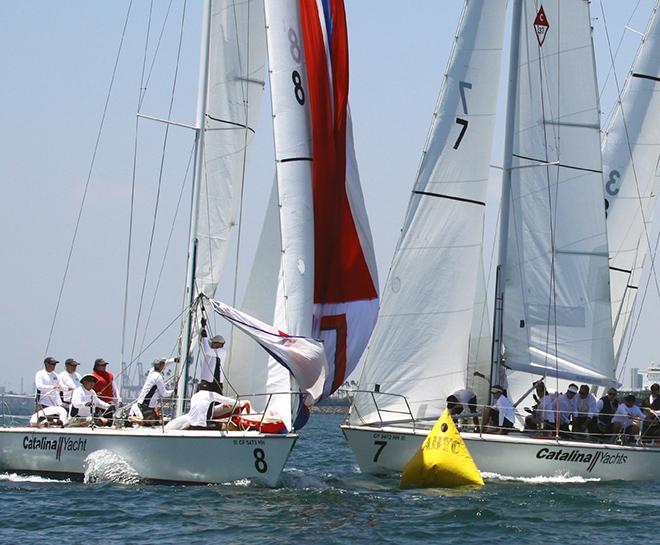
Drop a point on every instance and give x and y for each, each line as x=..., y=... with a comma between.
x=325, y=499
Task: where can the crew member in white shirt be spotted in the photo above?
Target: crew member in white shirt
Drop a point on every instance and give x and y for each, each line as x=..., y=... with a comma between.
x=566, y=407
x=69, y=380
x=541, y=413
x=587, y=411
x=501, y=415
x=463, y=402
x=627, y=417
x=83, y=402
x=213, y=358
x=47, y=384
x=153, y=389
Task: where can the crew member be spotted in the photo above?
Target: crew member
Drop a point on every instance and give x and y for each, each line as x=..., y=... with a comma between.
x=213, y=359
x=566, y=407
x=587, y=411
x=105, y=385
x=500, y=416
x=651, y=406
x=463, y=401
x=83, y=401
x=653, y=401
x=627, y=417
x=47, y=384
x=153, y=389
x=606, y=407
x=69, y=380
x=541, y=412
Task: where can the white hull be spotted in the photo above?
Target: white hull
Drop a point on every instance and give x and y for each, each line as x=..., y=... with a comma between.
x=172, y=456
x=386, y=450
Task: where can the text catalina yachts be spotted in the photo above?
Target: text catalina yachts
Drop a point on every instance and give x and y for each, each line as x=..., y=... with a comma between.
x=58, y=444
x=577, y=456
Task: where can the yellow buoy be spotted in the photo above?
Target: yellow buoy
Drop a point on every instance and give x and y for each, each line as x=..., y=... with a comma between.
x=442, y=461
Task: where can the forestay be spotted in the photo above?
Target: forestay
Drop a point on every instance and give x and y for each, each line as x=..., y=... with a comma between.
x=631, y=150
x=419, y=348
x=556, y=319
x=235, y=87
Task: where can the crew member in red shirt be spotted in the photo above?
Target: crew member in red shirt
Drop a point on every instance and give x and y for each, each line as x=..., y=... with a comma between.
x=105, y=387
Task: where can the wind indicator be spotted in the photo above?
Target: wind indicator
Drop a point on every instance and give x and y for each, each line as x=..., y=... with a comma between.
x=442, y=461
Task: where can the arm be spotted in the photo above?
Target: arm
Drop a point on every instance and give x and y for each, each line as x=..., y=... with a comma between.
x=40, y=381
x=162, y=390
x=99, y=402
x=115, y=394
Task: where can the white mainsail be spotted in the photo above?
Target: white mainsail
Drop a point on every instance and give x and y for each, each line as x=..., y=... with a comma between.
x=631, y=150
x=237, y=54
x=556, y=318
x=419, y=348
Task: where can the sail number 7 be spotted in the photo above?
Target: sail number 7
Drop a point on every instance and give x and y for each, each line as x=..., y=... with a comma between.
x=462, y=86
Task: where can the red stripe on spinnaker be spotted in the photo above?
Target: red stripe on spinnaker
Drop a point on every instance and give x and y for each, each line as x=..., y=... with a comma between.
x=341, y=271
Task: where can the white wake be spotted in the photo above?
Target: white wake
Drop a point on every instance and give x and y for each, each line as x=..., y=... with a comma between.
x=555, y=479
x=15, y=478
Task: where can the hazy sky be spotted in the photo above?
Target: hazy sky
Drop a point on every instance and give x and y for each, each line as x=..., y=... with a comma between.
x=57, y=60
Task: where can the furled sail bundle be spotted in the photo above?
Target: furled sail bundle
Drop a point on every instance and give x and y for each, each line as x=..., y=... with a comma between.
x=554, y=255
x=631, y=178
x=345, y=277
x=420, y=348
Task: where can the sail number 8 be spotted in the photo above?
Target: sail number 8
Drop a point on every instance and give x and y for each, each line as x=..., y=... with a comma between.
x=296, y=55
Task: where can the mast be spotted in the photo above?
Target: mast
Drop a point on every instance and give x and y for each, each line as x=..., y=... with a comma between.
x=506, y=191
x=202, y=91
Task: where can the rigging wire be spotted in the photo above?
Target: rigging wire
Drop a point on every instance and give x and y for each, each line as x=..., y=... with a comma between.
x=89, y=175
x=167, y=246
x=160, y=178
x=132, y=200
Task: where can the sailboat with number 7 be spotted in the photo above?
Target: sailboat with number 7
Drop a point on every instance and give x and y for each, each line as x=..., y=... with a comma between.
x=552, y=315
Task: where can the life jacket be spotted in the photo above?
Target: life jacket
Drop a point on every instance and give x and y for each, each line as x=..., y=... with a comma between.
x=103, y=387
x=608, y=410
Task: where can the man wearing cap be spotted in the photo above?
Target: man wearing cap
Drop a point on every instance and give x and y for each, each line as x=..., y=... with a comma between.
x=69, y=380
x=213, y=359
x=542, y=411
x=607, y=407
x=627, y=417
x=500, y=416
x=47, y=384
x=105, y=386
x=587, y=411
x=566, y=407
x=153, y=389
x=83, y=401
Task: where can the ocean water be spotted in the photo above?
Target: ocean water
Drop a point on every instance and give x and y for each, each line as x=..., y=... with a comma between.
x=323, y=498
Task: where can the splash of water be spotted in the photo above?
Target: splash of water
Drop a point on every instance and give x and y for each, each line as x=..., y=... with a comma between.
x=105, y=466
x=555, y=479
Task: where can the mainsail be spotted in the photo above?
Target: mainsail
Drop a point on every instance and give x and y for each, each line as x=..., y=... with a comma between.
x=554, y=256
x=237, y=50
x=631, y=178
x=420, y=347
